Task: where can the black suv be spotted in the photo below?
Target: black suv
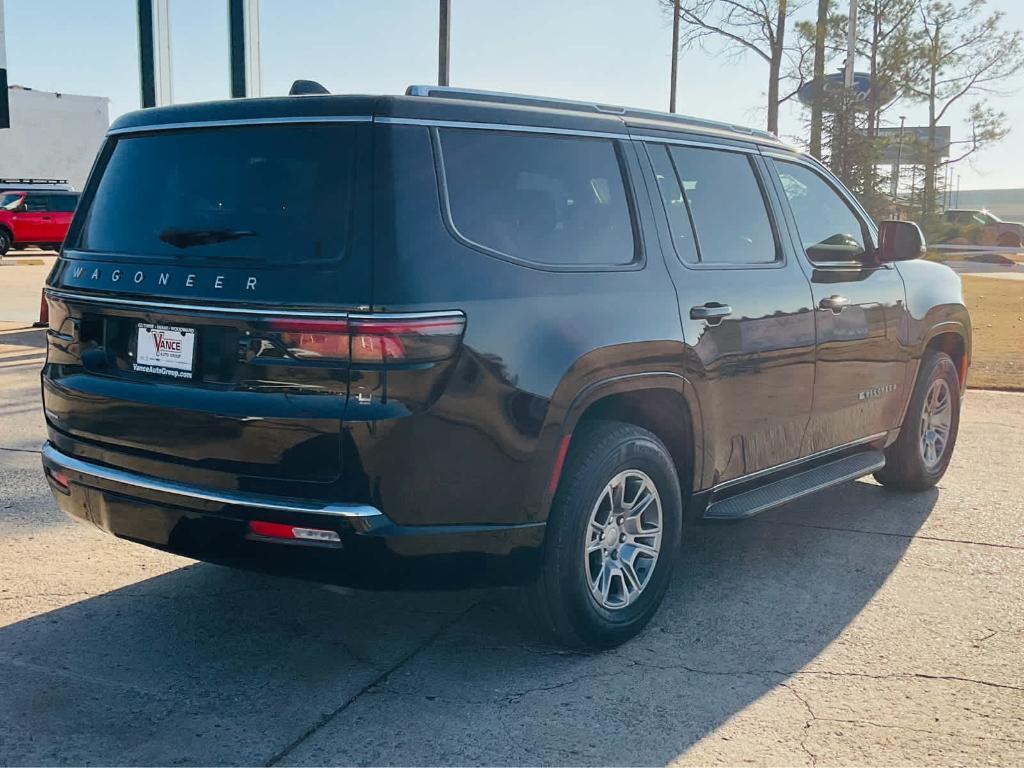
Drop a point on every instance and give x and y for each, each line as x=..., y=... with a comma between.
x=459, y=337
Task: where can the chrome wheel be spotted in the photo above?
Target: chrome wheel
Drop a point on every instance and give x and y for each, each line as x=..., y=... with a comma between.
x=936, y=421
x=623, y=539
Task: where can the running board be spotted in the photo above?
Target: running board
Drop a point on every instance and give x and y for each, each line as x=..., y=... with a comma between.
x=796, y=486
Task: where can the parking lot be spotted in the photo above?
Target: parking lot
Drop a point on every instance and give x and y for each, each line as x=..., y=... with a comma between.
x=859, y=626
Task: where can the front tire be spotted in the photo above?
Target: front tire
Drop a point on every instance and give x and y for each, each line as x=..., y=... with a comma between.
x=921, y=454
x=613, y=536
x=5, y=241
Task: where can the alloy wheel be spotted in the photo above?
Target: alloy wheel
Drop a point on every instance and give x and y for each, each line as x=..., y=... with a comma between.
x=936, y=421
x=623, y=539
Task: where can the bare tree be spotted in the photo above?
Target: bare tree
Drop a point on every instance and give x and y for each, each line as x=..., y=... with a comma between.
x=820, y=29
x=966, y=53
x=740, y=27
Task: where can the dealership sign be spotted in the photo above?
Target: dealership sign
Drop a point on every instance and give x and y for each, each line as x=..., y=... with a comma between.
x=832, y=86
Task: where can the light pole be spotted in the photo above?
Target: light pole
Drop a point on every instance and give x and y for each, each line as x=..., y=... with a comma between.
x=899, y=157
x=851, y=44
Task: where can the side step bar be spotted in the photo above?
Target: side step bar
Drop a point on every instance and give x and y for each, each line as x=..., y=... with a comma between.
x=749, y=503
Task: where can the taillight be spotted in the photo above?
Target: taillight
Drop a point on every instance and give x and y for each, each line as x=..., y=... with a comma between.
x=405, y=339
x=313, y=339
x=373, y=339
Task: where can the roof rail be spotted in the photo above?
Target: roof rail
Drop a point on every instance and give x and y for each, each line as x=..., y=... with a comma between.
x=33, y=181
x=470, y=94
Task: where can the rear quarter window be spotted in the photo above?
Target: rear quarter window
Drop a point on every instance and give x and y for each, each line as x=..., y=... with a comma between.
x=557, y=201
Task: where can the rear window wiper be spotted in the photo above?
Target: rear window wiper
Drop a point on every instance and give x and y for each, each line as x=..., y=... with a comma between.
x=186, y=238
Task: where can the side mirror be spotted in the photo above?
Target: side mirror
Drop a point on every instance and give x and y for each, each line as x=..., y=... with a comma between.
x=901, y=241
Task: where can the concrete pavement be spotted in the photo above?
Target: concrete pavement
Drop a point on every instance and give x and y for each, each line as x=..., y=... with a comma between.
x=860, y=626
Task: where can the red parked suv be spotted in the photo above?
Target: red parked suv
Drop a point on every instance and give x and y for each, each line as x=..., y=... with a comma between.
x=35, y=217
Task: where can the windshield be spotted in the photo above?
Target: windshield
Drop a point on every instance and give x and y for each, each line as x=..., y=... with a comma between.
x=270, y=194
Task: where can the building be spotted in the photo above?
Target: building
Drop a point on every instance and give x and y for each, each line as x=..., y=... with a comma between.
x=52, y=135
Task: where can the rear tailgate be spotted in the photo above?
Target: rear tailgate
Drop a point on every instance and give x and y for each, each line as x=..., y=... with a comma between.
x=199, y=314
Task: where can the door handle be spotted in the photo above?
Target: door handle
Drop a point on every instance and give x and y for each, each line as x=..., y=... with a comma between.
x=712, y=311
x=834, y=303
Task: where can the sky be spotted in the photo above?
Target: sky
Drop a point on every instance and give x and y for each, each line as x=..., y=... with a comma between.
x=612, y=51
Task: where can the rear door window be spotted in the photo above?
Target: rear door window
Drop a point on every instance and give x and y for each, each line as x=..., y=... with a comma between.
x=62, y=203
x=552, y=200
x=269, y=194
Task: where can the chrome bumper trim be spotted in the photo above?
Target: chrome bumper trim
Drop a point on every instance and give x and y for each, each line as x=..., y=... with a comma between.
x=54, y=458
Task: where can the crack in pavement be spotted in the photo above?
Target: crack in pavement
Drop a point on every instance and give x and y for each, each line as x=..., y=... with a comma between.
x=21, y=450
x=830, y=673
x=377, y=681
x=807, y=723
x=913, y=537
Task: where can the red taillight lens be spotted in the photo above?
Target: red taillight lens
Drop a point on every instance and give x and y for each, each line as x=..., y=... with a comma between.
x=313, y=339
x=410, y=339
x=373, y=339
x=59, y=479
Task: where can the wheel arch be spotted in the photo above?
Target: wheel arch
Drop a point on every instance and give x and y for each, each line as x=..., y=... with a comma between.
x=664, y=403
x=952, y=338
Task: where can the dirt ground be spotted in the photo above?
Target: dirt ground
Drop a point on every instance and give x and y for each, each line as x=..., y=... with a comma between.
x=997, y=313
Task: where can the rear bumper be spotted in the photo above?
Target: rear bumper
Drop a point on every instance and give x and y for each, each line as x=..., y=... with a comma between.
x=213, y=525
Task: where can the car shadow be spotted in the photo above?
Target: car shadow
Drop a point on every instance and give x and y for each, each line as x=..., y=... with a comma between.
x=204, y=665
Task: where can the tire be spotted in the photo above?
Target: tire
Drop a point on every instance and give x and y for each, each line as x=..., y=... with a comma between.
x=906, y=466
x=561, y=598
x=1009, y=240
x=5, y=241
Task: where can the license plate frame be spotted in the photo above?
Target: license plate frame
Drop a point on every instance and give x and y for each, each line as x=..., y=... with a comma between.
x=165, y=350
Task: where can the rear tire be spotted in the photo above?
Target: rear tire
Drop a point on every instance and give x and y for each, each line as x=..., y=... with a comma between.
x=604, y=574
x=5, y=241
x=1009, y=240
x=921, y=454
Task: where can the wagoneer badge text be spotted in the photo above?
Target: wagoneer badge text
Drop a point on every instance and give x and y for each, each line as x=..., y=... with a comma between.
x=140, y=277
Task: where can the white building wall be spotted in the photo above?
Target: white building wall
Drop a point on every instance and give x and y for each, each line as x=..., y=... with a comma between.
x=52, y=135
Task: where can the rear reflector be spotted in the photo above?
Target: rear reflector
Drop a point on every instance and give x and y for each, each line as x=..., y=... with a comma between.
x=292, y=532
x=413, y=338
x=59, y=479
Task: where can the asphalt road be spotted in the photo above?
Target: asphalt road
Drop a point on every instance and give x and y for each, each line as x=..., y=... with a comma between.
x=858, y=627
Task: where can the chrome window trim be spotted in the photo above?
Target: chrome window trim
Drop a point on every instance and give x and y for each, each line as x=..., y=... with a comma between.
x=257, y=501
x=697, y=143
x=241, y=121
x=795, y=462
x=506, y=128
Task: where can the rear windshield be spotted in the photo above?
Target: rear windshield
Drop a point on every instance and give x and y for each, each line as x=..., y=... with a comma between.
x=271, y=194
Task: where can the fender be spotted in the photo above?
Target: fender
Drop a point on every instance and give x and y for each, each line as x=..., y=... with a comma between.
x=563, y=418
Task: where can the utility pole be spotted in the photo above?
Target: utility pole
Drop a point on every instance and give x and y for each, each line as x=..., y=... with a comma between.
x=5, y=109
x=244, y=44
x=675, y=55
x=444, y=41
x=851, y=45
x=155, y=53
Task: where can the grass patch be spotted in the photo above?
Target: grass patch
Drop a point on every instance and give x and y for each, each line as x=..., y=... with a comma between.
x=997, y=314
